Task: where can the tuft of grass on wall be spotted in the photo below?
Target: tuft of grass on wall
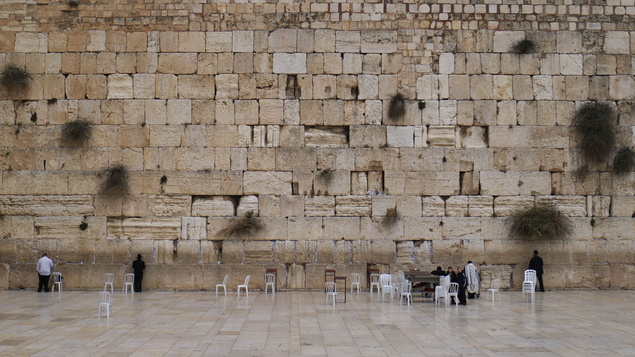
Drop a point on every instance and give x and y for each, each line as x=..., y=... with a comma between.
x=326, y=175
x=524, y=47
x=594, y=123
x=540, y=221
x=14, y=78
x=397, y=107
x=624, y=161
x=243, y=226
x=391, y=218
x=76, y=132
x=115, y=181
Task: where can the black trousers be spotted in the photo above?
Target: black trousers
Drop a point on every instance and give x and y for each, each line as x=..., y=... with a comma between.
x=462, y=299
x=138, y=278
x=44, y=282
x=539, y=276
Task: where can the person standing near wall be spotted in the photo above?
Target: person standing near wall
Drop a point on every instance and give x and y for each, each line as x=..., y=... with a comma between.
x=471, y=273
x=43, y=268
x=536, y=264
x=138, y=266
x=461, y=279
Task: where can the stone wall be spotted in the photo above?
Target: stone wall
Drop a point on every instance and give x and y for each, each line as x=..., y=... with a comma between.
x=281, y=109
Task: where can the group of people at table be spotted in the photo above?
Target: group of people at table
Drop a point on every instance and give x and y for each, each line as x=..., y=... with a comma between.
x=466, y=278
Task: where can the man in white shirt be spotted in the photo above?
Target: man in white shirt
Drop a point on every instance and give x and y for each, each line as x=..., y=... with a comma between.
x=43, y=268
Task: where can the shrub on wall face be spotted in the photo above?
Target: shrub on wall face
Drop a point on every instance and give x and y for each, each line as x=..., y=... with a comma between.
x=14, y=78
x=539, y=221
x=397, y=107
x=115, y=181
x=76, y=132
x=524, y=47
x=595, y=125
x=624, y=161
x=243, y=226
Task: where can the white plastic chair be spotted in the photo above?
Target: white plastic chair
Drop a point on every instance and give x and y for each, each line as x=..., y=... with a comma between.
x=223, y=285
x=529, y=284
x=453, y=292
x=57, y=280
x=374, y=282
x=270, y=280
x=104, y=301
x=495, y=288
x=385, y=282
x=331, y=291
x=128, y=281
x=405, y=291
x=244, y=286
x=355, y=282
x=441, y=291
x=109, y=281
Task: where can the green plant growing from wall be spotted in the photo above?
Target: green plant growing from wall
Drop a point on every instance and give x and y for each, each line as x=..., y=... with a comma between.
x=14, y=78
x=539, y=221
x=624, y=161
x=594, y=124
x=76, y=132
x=115, y=181
x=397, y=107
x=524, y=46
x=391, y=218
x=243, y=226
x=326, y=175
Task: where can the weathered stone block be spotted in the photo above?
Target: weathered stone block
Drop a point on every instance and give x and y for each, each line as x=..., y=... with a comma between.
x=143, y=228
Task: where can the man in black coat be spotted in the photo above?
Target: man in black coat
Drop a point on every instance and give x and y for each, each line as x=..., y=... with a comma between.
x=461, y=279
x=138, y=266
x=536, y=264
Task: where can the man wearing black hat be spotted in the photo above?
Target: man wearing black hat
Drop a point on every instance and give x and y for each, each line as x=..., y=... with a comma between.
x=138, y=266
x=536, y=264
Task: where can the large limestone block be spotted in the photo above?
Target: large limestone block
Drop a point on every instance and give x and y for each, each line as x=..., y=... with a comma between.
x=319, y=206
x=361, y=255
x=205, y=183
x=217, y=41
x=196, y=86
x=367, y=136
x=177, y=63
x=378, y=41
x=283, y=40
x=187, y=252
x=456, y=206
x=193, y=228
x=8, y=252
x=258, y=252
x=247, y=204
x=120, y=86
x=284, y=252
x=623, y=206
x=289, y=63
x=232, y=252
x=353, y=205
x=296, y=278
x=326, y=252
x=400, y=136
x=262, y=182
x=112, y=251
x=443, y=183
x=306, y=251
x=166, y=206
x=333, y=183
x=324, y=136
x=614, y=228
x=343, y=251
x=441, y=136
x=288, y=159
x=381, y=204
x=305, y=228
x=622, y=276
x=50, y=205
x=506, y=205
x=383, y=252
x=433, y=206
x=372, y=228
x=505, y=40
x=480, y=206
x=622, y=87
x=144, y=228
x=496, y=183
x=335, y=228
x=63, y=227
x=617, y=42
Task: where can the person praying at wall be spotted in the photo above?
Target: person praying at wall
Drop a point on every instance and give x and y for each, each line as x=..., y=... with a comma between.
x=138, y=266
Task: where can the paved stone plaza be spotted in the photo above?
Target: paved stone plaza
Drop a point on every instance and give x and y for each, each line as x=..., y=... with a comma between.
x=560, y=323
